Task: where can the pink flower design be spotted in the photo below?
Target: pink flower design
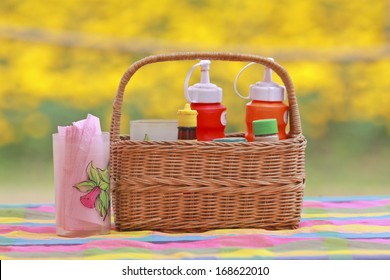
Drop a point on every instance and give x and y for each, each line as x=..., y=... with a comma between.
x=90, y=198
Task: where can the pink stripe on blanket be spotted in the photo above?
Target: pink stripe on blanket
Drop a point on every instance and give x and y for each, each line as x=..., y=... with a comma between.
x=346, y=204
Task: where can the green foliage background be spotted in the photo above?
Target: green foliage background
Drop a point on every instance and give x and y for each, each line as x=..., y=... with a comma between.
x=60, y=60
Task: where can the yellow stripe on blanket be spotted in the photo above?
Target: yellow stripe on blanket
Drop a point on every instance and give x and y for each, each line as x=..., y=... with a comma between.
x=343, y=215
x=17, y=220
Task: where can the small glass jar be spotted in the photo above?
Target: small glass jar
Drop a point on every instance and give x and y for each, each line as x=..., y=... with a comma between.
x=186, y=133
x=187, y=120
x=265, y=130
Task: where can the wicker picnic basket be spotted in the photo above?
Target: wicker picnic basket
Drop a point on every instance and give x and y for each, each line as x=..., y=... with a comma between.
x=185, y=186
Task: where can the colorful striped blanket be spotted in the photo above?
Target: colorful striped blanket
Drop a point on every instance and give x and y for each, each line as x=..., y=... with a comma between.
x=331, y=228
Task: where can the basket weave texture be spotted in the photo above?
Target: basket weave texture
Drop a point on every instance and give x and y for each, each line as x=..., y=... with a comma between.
x=184, y=186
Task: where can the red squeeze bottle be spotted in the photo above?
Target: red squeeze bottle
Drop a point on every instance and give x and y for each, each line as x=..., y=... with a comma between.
x=206, y=98
x=267, y=103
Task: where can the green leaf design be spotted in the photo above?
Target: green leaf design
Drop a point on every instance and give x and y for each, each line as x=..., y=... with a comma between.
x=104, y=174
x=104, y=186
x=99, y=207
x=103, y=204
x=93, y=174
x=105, y=198
x=85, y=186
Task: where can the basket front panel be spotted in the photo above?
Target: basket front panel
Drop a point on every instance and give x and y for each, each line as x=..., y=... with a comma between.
x=172, y=209
x=197, y=187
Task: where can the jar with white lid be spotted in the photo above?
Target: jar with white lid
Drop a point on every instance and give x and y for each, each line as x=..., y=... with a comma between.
x=265, y=130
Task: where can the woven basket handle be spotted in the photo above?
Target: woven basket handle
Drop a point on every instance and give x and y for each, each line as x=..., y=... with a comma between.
x=295, y=120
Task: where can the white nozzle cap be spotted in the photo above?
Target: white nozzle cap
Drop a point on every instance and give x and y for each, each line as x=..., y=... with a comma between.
x=203, y=92
x=267, y=90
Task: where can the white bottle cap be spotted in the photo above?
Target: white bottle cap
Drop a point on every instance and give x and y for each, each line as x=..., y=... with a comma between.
x=267, y=90
x=203, y=92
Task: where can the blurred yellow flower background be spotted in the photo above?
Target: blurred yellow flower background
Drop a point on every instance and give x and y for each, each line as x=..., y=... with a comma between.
x=62, y=59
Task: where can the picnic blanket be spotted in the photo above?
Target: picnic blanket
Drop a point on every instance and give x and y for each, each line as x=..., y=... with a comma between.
x=330, y=228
